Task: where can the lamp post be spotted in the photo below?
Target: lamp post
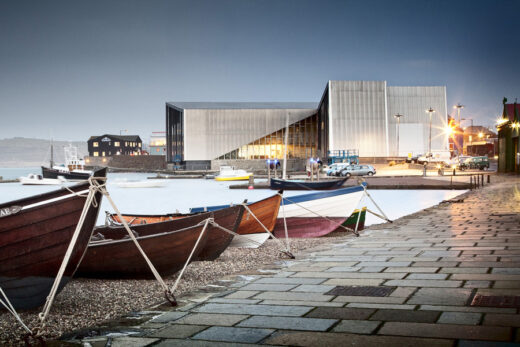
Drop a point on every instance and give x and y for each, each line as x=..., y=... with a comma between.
x=430, y=111
x=398, y=116
x=458, y=107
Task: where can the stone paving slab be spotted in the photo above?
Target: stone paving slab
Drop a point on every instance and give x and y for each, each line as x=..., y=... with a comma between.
x=268, y=310
x=468, y=332
x=289, y=323
x=212, y=319
x=232, y=334
x=356, y=326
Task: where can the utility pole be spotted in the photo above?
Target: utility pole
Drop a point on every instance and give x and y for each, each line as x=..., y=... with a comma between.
x=458, y=107
x=430, y=111
x=398, y=116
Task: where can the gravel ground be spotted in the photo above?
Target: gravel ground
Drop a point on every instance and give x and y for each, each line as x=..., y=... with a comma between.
x=88, y=302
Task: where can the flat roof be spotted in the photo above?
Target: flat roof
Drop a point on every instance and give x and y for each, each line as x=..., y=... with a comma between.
x=242, y=105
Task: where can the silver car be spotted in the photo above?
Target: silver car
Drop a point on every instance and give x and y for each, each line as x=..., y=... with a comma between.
x=358, y=170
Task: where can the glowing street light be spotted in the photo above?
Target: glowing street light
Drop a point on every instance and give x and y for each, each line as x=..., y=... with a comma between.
x=458, y=107
x=398, y=116
x=430, y=111
x=480, y=135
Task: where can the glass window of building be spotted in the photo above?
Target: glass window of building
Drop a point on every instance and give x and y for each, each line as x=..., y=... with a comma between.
x=117, y=144
x=95, y=144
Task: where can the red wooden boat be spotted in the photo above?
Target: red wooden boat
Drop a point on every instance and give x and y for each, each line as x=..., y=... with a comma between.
x=35, y=233
x=166, y=243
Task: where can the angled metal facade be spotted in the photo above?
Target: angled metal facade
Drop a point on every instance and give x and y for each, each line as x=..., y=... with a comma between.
x=412, y=103
x=357, y=117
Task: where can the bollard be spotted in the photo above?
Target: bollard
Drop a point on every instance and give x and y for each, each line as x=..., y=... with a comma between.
x=489, y=179
x=470, y=182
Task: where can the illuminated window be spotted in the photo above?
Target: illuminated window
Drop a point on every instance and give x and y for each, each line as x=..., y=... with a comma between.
x=95, y=144
x=139, y=144
x=103, y=153
x=126, y=143
x=96, y=154
x=117, y=144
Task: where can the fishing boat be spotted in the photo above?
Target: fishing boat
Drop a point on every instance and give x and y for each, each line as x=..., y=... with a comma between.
x=318, y=213
x=266, y=211
x=167, y=244
x=277, y=183
x=34, y=179
x=353, y=220
x=73, y=169
x=228, y=173
x=35, y=233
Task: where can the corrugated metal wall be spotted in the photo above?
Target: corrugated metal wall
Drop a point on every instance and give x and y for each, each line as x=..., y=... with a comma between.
x=210, y=133
x=357, y=112
x=412, y=103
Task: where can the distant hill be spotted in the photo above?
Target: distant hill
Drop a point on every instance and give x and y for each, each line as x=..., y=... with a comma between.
x=23, y=152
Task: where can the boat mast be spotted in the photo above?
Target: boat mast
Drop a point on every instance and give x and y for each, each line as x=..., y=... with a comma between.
x=285, y=147
x=52, y=154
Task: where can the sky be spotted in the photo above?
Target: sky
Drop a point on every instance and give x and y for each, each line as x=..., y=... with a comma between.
x=72, y=69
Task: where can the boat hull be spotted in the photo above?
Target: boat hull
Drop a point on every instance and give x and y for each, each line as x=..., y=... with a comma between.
x=353, y=220
x=305, y=213
x=35, y=238
x=232, y=178
x=53, y=173
x=280, y=184
x=167, y=244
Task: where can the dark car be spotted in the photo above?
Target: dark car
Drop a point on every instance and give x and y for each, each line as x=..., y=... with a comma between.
x=480, y=163
x=358, y=170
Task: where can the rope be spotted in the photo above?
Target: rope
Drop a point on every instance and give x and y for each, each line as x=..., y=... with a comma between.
x=7, y=304
x=95, y=186
x=287, y=250
x=156, y=274
x=206, y=222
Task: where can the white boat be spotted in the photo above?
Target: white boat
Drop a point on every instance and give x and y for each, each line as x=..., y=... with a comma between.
x=73, y=169
x=318, y=213
x=34, y=179
x=141, y=184
x=228, y=173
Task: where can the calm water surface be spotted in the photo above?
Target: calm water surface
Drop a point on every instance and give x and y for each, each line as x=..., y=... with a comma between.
x=181, y=194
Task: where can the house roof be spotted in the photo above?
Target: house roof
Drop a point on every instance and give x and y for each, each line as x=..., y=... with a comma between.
x=242, y=105
x=510, y=109
x=118, y=137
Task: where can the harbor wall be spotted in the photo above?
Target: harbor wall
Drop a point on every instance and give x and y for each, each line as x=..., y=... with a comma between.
x=142, y=162
x=258, y=164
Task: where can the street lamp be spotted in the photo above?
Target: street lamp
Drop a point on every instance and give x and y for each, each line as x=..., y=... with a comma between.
x=398, y=116
x=430, y=111
x=458, y=107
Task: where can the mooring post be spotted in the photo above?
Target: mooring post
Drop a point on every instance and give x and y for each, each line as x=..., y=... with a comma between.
x=470, y=182
x=489, y=179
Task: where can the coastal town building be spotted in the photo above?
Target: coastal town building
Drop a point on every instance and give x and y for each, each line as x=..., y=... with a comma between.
x=351, y=115
x=508, y=127
x=108, y=145
x=479, y=141
x=157, y=144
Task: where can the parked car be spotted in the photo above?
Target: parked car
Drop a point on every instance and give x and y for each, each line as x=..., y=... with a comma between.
x=480, y=163
x=412, y=158
x=358, y=170
x=336, y=168
x=436, y=156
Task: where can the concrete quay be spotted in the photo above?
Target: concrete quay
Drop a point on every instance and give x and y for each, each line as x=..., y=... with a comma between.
x=446, y=276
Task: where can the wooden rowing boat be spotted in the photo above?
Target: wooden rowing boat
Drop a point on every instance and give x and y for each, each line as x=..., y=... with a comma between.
x=166, y=243
x=35, y=233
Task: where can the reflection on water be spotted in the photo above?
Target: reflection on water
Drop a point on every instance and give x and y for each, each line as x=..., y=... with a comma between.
x=181, y=194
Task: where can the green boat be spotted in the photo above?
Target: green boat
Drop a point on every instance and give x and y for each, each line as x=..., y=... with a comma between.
x=352, y=220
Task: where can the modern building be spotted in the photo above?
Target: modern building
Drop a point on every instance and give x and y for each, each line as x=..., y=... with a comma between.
x=508, y=127
x=351, y=115
x=157, y=143
x=109, y=145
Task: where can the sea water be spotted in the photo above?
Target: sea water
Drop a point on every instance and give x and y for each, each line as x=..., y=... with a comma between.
x=181, y=194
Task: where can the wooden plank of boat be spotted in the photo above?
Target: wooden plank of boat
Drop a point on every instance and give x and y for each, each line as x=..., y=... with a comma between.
x=353, y=220
x=167, y=244
x=278, y=184
x=304, y=213
x=35, y=233
x=249, y=240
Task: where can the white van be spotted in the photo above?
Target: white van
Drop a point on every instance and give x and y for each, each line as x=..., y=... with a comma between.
x=436, y=156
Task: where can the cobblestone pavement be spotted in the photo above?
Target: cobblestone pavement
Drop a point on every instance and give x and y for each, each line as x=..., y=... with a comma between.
x=446, y=276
